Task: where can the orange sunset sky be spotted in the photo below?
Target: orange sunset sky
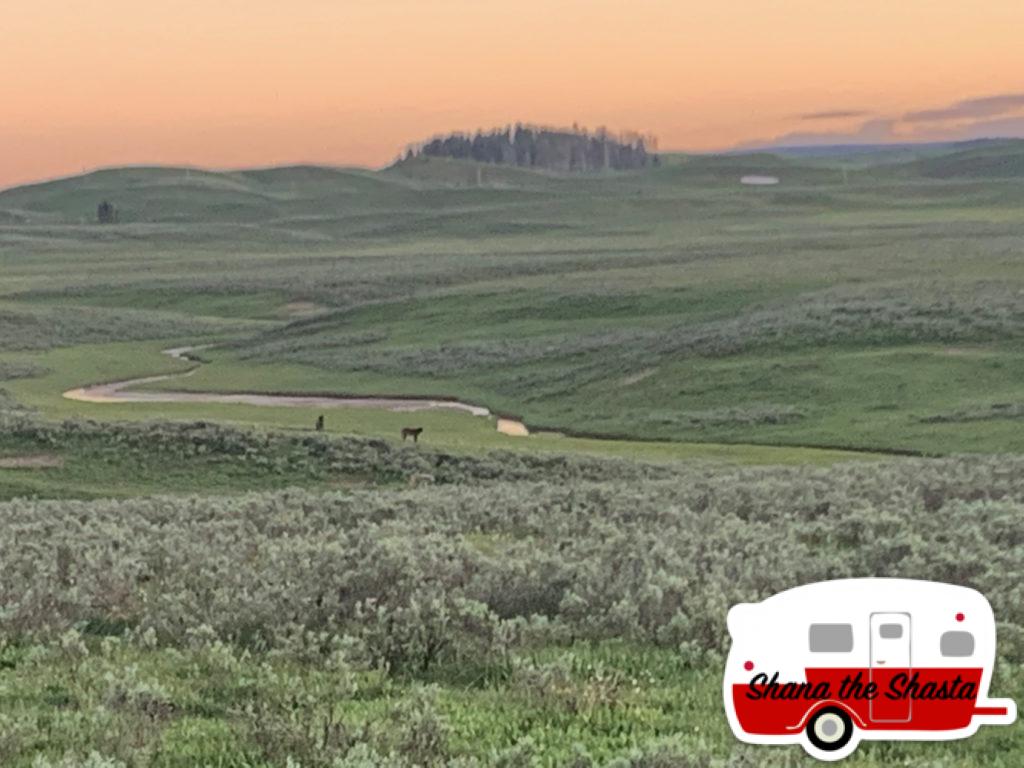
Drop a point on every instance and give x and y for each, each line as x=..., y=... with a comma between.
x=229, y=83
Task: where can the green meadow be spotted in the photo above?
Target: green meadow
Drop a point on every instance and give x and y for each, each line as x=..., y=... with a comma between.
x=831, y=365
x=876, y=308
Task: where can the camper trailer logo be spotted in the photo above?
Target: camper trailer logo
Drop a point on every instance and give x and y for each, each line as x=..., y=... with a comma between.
x=829, y=664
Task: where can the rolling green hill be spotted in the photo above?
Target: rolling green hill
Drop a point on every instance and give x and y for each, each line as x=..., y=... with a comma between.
x=876, y=308
x=195, y=581
x=158, y=195
x=989, y=160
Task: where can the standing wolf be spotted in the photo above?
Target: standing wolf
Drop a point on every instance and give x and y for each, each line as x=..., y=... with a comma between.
x=413, y=432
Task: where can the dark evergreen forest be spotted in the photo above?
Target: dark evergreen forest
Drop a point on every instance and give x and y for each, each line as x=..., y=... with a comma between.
x=547, y=148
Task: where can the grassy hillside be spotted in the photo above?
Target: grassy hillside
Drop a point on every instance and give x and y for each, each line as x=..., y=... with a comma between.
x=203, y=583
x=986, y=161
x=877, y=308
x=503, y=612
x=156, y=195
x=867, y=155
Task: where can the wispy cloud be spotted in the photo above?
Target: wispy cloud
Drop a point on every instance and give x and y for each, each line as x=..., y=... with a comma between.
x=998, y=116
x=970, y=109
x=838, y=114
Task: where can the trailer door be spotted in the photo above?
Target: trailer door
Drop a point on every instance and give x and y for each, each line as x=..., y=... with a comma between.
x=890, y=656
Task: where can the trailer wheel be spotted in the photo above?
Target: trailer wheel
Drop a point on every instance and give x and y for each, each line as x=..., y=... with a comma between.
x=830, y=729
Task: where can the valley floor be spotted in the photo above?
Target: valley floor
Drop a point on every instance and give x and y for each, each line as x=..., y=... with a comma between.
x=720, y=381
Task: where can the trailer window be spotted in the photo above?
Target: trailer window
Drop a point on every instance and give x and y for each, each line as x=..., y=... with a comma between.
x=831, y=638
x=890, y=631
x=956, y=644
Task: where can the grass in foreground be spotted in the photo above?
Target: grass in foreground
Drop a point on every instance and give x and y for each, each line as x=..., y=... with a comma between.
x=545, y=605
x=209, y=705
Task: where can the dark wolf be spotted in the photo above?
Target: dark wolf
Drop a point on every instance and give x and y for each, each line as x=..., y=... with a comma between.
x=413, y=432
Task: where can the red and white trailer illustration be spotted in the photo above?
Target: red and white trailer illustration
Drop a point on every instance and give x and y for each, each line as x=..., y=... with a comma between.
x=829, y=664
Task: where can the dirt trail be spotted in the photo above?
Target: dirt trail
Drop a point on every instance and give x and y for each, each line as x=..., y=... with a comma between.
x=124, y=392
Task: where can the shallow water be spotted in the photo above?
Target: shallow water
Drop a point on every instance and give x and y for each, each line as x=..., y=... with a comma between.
x=123, y=392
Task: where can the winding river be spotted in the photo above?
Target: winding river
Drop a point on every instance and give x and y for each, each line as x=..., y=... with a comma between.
x=126, y=392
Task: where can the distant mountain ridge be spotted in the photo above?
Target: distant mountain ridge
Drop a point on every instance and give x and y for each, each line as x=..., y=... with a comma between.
x=828, y=150
x=995, y=158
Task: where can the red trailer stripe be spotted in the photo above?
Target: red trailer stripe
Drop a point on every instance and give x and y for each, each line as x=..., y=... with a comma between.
x=931, y=711
x=990, y=711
